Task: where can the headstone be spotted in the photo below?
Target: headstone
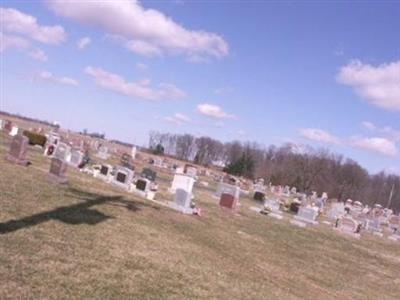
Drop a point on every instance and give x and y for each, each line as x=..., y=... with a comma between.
x=182, y=181
x=122, y=177
x=126, y=161
x=143, y=185
x=58, y=171
x=1, y=124
x=18, y=148
x=348, y=225
x=190, y=170
x=227, y=188
x=336, y=210
x=104, y=173
x=76, y=158
x=259, y=196
x=102, y=152
x=7, y=126
x=14, y=131
x=53, y=138
x=374, y=226
x=133, y=152
x=394, y=223
x=227, y=201
x=149, y=174
x=307, y=214
x=183, y=201
x=272, y=209
x=62, y=151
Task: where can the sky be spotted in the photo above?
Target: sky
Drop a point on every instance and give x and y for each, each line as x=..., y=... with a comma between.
x=309, y=73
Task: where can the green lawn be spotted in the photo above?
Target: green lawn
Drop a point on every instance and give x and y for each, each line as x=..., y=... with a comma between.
x=88, y=239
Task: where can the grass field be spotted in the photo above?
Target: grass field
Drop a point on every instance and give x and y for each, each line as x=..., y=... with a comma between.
x=88, y=239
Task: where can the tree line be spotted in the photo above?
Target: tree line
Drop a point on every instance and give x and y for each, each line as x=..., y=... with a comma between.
x=305, y=168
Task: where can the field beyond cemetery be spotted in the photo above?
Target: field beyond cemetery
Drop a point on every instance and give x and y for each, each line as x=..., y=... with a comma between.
x=88, y=239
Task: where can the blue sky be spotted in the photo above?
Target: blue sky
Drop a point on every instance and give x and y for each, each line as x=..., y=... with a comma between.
x=322, y=74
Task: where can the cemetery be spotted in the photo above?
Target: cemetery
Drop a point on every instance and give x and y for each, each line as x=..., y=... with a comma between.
x=97, y=222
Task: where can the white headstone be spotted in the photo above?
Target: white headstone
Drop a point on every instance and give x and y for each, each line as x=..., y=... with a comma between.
x=76, y=158
x=226, y=188
x=123, y=177
x=182, y=181
x=14, y=131
x=133, y=152
x=307, y=214
x=62, y=151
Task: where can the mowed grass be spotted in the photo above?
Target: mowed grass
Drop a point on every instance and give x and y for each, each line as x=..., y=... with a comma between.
x=88, y=239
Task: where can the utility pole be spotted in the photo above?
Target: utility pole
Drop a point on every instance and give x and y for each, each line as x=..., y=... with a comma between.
x=390, y=197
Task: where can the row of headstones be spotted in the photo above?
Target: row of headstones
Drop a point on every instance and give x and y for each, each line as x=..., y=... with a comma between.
x=181, y=186
x=342, y=218
x=18, y=154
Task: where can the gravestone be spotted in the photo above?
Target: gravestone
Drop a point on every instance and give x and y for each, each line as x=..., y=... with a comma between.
x=14, y=131
x=307, y=214
x=123, y=177
x=394, y=223
x=348, y=225
x=126, y=161
x=133, y=152
x=76, y=158
x=62, y=151
x=18, y=148
x=374, y=226
x=104, y=173
x=102, y=152
x=143, y=185
x=259, y=196
x=58, y=171
x=272, y=208
x=227, y=201
x=182, y=181
x=149, y=174
x=190, y=170
x=227, y=188
x=7, y=126
x=1, y=124
x=336, y=211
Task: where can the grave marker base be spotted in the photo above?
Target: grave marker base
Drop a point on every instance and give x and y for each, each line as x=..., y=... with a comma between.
x=298, y=223
x=14, y=160
x=297, y=218
x=57, y=179
x=347, y=233
x=184, y=210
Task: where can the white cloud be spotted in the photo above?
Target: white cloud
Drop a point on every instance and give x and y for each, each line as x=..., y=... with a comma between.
x=16, y=22
x=213, y=111
x=178, y=119
x=83, y=43
x=387, y=131
x=49, y=77
x=147, y=31
x=12, y=41
x=141, y=66
x=38, y=55
x=319, y=135
x=375, y=144
x=379, y=85
x=368, y=125
x=144, y=48
x=140, y=89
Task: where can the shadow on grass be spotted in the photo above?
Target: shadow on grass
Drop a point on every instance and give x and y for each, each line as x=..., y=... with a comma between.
x=75, y=214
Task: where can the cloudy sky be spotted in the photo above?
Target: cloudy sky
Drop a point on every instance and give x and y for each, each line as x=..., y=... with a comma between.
x=327, y=75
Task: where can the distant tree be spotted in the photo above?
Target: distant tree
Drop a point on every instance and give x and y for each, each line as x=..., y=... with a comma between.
x=158, y=150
